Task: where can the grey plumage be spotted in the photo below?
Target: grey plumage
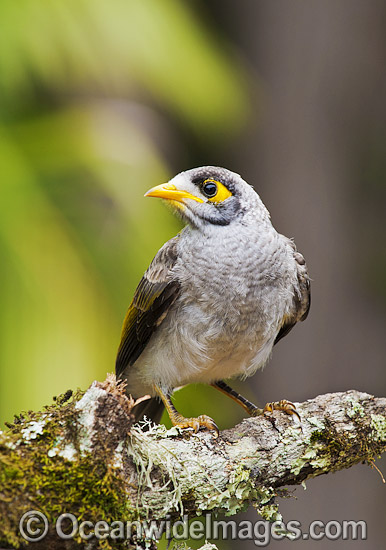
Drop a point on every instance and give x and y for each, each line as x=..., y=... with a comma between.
x=217, y=297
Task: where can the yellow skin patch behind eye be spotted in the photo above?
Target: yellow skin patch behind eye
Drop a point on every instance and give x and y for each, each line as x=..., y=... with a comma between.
x=222, y=192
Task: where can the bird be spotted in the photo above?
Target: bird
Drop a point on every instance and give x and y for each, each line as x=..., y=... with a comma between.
x=215, y=299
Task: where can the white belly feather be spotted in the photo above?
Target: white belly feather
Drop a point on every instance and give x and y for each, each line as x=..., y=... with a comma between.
x=234, y=295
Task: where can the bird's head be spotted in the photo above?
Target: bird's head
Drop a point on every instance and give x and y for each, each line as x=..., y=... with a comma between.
x=212, y=196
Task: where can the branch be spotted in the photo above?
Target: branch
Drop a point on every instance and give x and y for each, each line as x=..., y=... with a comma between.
x=83, y=456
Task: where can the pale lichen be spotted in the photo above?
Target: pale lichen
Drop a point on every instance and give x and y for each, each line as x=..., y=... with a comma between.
x=49, y=474
x=355, y=409
x=117, y=461
x=68, y=451
x=314, y=421
x=378, y=426
x=173, y=472
x=80, y=452
x=86, y=408
x=169, y=476
x=310, y=457
x=184, y=546
x=33, y=429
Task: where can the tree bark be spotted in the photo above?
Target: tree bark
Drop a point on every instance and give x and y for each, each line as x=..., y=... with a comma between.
x=83, y=456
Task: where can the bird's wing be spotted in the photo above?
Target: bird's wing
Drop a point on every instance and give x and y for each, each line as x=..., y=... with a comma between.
x=302, y=295
x=154, y=296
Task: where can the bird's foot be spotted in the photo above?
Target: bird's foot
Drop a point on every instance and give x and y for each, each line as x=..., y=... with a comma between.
x=282, y=405
x=180, y=421
x=202, y=421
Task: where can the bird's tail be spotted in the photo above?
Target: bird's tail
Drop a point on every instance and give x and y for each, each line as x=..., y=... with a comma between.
x=151, y=408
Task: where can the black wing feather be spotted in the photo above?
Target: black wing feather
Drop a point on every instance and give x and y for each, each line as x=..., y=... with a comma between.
x=302, y=296
x=155, y=294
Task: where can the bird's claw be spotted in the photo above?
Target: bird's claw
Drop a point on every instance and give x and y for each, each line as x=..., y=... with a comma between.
x=282, y=405
x=202, y=421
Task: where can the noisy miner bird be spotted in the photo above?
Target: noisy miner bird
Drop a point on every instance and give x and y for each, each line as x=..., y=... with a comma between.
x=215, y=299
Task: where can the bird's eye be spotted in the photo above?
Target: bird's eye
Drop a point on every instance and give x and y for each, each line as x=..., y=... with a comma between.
x=215, y=191
x=209, y=189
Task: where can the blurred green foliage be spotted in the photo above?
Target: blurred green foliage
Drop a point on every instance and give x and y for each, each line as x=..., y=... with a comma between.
x=89, y=89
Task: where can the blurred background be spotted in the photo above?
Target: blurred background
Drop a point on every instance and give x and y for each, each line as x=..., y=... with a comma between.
x=102, y=100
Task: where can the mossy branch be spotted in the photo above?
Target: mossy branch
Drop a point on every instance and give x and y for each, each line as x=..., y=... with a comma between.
x=83, y=456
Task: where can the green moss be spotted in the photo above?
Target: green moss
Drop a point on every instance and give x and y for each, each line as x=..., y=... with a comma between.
x=86, y=485
x=332, y=451
x=50, y=462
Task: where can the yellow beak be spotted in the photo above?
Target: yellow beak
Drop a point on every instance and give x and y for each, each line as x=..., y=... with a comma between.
x=169, y=191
